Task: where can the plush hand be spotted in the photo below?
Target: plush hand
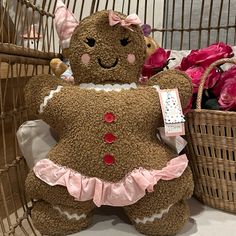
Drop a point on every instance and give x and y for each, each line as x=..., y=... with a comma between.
x=58, y=67
x=171, y=79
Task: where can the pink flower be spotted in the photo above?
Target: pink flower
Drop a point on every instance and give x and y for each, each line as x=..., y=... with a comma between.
x=227, y=98
x=195, y=73
x=229, y=74
x=155, y=63
x=147, y=71
x=206, y=56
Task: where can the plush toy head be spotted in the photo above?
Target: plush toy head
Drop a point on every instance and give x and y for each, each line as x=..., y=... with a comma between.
x=101, y=53
x=152, y=45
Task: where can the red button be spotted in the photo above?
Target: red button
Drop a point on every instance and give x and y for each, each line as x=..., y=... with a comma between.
x=109, y=117
x=109, y=159
x=109, y=138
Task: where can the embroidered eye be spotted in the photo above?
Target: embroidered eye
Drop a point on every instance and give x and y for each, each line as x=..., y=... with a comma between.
x=90, y=41
x=124, y=41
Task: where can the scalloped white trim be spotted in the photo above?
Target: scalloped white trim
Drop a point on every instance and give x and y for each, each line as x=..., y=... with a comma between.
x=50, y=96
x=69, y=216
x=154, y=216
x=108, y=87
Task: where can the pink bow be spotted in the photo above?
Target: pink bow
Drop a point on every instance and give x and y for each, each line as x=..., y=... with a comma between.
x=132, y=19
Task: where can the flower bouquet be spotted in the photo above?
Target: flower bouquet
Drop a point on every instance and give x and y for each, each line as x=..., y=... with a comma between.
x=156, y=62
x=217, y=88
x=220, y=86
x=211, y=128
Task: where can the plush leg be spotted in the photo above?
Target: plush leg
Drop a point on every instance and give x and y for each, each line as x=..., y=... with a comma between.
x=164, y=211
x=60, y=220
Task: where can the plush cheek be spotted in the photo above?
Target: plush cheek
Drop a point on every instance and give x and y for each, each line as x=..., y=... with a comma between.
x=85, y=58
x=131, y=58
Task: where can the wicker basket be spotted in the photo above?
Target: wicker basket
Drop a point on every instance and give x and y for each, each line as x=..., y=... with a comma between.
x=211, y=139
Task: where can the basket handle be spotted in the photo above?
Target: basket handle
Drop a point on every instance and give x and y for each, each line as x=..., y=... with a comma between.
x=205, y=75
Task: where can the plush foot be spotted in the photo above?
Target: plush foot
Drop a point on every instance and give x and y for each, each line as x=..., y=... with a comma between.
x=164, y=211
x=165, y=222
x=58, y=220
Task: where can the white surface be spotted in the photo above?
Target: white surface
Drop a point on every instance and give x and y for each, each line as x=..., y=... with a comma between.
x=204, y=221
x=108, y=221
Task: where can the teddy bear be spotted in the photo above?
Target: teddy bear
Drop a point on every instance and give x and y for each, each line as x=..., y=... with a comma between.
x=108, y=152
x=58, y=67
x=151, y=43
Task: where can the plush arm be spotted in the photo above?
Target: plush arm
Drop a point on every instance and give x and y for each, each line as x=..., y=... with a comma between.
x=37, y=88
x=174, y=79
x=46, y=97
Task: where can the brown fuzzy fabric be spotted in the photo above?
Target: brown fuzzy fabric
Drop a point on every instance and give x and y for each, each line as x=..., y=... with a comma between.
x=166, y=193
x=39, y=87
x=174, y=79
x=107, y=49
x=50, y=222
x=169, y=224
x=37, y=189
x=77, y=115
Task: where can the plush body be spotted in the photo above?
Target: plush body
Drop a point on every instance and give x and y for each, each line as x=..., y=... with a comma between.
x=83, y=114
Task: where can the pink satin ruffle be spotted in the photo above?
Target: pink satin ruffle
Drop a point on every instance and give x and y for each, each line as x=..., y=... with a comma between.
x=125, y=192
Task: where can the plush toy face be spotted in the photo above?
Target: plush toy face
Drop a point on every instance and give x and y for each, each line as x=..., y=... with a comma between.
x=152, y=45
x=100, y=53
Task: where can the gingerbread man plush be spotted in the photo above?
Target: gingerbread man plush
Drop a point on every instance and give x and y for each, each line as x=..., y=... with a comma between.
x=108, y=152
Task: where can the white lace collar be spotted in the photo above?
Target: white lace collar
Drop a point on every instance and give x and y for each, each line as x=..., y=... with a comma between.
x=108, y=87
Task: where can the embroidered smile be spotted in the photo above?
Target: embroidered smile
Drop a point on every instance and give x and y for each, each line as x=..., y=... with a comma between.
x=107, y=66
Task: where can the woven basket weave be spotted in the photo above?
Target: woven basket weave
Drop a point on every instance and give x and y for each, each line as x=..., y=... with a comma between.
x=211, y=137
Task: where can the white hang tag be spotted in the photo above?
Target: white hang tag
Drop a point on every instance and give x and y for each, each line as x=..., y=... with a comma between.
x=172, y=112
x=177, y=143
